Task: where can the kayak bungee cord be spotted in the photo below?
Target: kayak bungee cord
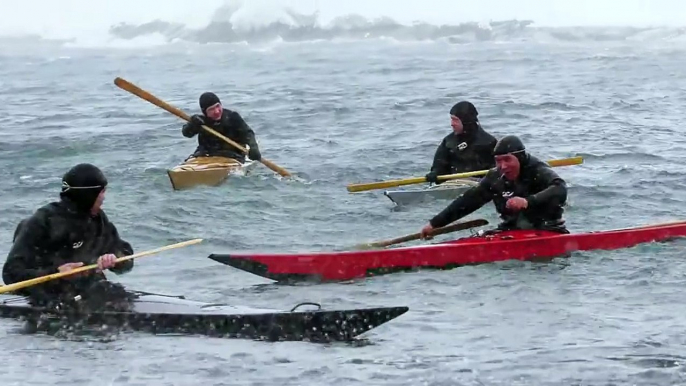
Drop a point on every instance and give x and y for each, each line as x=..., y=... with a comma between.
x=307, y=304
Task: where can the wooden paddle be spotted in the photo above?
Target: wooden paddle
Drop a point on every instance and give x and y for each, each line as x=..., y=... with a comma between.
x=43, y=279
x=415, y=236
x=418, y=180
x=135, y=90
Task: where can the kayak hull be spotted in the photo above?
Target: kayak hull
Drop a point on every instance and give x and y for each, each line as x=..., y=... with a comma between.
x=507, y=245
x=448, y=190
x=210, y=171
x=160, y=314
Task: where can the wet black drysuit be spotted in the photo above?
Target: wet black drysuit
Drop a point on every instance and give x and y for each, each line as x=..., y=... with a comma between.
x=544, y=190
x=66, y=232
x=231, y=125
x=469, y=151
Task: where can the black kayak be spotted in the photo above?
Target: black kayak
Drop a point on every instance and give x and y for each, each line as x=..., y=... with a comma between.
x=162, y=314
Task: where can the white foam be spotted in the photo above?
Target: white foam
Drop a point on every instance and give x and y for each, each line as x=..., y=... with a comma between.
x=88, y=21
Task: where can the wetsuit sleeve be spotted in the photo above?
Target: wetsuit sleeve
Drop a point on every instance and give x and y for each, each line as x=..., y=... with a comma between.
x=555, y=192
x=246, y=133
x=441, y=164
x=22, y=261
x=189, y=130
x=193, y=126
x=466, y=203
x=121, y=248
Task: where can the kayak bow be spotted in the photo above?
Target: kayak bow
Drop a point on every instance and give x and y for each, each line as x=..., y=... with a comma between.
x=210, y=171
x=507, y=245
x=448, y=190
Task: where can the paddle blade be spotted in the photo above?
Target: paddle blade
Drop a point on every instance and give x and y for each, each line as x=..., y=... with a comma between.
x=139, y=92
x=566, y=161
x=276, y=168
x=415, y=236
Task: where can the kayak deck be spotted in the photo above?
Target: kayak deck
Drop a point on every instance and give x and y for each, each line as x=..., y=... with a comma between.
x=211, y=171
x=160, y=314
x=507, y=245
x=448, y=190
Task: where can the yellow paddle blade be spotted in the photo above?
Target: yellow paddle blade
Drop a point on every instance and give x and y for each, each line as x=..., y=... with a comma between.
x=566, y=161
x=43, y=279
x=418, y=180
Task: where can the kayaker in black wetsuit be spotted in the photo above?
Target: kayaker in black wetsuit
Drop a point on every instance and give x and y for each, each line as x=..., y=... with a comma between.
x=67, y=234
x=468, y=148
x=226, y=122
x=527, y=193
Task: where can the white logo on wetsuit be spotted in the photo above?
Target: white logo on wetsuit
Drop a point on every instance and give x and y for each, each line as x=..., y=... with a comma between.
x=508, y=194
x=77, y=245
x=462, y=146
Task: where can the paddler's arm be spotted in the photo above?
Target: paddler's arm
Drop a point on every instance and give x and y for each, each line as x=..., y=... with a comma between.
x=441, y=164
x=192, y=127
x=465, y=204
x=247, y=136
x=22, y=262
x=125, y=249
x=122, y=248
x=554, y=194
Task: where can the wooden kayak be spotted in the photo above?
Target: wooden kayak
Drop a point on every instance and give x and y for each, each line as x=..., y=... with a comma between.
x=448, y=190
x=211, y=171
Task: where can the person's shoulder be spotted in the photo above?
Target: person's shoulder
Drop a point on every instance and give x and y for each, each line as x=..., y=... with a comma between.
x=232, y=116
x=485, y=137
x=231, y=113
x=39, y=219
x=103, y=215
x=48, y=210
x=491, y=178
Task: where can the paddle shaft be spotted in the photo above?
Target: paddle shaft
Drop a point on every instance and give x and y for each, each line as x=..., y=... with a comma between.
x=436, y=232
x=43, y=279
x=418, y=180
x=135, y=90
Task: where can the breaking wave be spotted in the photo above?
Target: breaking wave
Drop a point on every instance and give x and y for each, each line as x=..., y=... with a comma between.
x=235, y=22
x=290, y=26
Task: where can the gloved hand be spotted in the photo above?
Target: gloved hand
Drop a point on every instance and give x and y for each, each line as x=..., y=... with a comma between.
x=254, y=154
x=432, y=177
x=198, y=120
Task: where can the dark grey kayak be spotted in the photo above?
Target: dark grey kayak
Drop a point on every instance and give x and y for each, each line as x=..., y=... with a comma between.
x=446, y=191
x=159, y=314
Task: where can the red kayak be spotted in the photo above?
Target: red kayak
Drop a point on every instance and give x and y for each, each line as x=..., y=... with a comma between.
x=507, y=245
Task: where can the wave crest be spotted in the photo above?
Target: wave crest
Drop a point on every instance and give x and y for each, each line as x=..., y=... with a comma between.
x=255, y=22
x=233, y=23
